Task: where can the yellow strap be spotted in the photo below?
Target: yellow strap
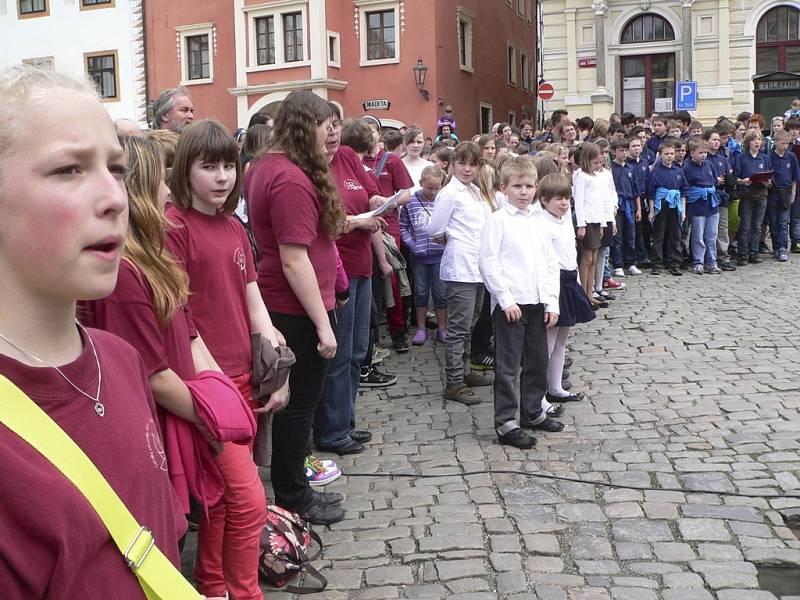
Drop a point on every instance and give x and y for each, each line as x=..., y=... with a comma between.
x=159, y=579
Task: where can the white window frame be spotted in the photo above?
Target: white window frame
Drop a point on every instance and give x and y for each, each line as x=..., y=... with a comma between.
x=512, y=118
x=521, y=8
x=525, y=70
x=511, y=66
x=528, y=11
x=276, y=10
x=336, y=60
x=467, y=17
x=187, y=31
x=368, y=6
x=488, y=106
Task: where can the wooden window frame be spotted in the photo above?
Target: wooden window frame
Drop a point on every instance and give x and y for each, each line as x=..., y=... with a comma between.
x=33, y=15
x=296, y=17
x=115, y=54
x=102, y=5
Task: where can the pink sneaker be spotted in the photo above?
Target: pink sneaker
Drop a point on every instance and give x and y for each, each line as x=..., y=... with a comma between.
x=441, y=336
x=420, y=337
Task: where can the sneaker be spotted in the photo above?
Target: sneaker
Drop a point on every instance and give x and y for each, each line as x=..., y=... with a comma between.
x=483, y=362
x=420, y=337
x=697, y=269
x=400, y=343
x=727, y=266
x=461, y=393
x=604, y=295
x=655, y=271
x=517, y=438
x=756, y=259
x=795, y=249
x=319, y=474
x=476, y=379
x=712, y=270
x=610, y=284
x=782, y=256
x=675, y=270
x=441, y=336
x=378, y=354
x=741, y=261
x=764, y=249
x=634, y=270
x=373, y=378
x=619, y=272
x=324, y=514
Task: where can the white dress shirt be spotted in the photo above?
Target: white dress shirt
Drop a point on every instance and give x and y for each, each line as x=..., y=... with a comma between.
x=459, y=213
x=517, y=260
x=593, y=197
x=562, y=234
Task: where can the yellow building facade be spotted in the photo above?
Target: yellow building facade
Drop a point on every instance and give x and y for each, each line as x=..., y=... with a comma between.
x=605, y=56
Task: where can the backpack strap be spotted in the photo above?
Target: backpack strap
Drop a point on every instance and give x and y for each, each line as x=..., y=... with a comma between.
x=159, y=579
x=381, y=164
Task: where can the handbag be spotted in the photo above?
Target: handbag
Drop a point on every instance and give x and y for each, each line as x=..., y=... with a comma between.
x=159, y=579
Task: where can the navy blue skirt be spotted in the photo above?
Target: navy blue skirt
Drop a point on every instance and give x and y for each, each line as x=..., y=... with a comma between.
x=573, y=304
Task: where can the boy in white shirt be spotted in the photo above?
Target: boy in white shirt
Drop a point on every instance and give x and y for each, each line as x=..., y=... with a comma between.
x=521, y=271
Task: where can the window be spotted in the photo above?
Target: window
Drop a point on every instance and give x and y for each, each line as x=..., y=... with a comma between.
x=379, y=32
x=778, y=40
x=33, y=8
x=101, y=68
x=293, y=37
x=43, y=62
x=197, y=46
x=197, y=59
x=334, y=54
x=486, y=118
x=647, y=28
x=512, y=118
x=524, y=69
x=92, y=4
x=512, y=64
x=265, y=40
x=521, y=7
x=380, y=35
x=465, y=40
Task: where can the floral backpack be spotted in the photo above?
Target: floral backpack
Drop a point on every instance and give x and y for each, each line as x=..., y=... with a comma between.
x=285, y=543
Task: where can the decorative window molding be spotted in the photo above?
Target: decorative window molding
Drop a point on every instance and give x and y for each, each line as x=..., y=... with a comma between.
x=511, y=64
x=512, y=118
x=103, y=69
x=193, y=68
x=525, y=70
x=486, y=117
x=32, y=9
x=465, y=39
x=281, y=15
x=334, y=50
x=43, y=62
x=387, y=19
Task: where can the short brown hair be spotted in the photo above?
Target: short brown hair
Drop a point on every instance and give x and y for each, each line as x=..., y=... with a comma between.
x=210, y=141
x=555, y=185
x=167, y=141
x=588, y=152
x=521, y=166
x=356, y=134
x=780, y=136
x=695, y=143
x=467, y=152
x=432, y=171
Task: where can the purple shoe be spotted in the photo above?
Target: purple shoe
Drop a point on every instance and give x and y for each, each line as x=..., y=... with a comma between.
x=441, y=336
x=420, y=337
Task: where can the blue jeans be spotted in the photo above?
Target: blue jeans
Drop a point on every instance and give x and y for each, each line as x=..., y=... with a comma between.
x=751, y=215
x=778, y=221
x=624, y=249
x=426, y=281
x=336, y=414
x=704, y=240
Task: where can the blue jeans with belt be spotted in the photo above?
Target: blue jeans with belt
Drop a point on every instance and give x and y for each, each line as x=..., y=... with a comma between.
x=778, y=218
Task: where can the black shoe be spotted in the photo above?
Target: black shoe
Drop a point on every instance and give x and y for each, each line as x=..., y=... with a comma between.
x=764, y=249
x=400, y=343
x=351, y=447
x=326, y=498
x=727, y=266
x=375, y=379
x=645, y=264
x=482, y=362
x=741, y=261
x=571, y=398
x=655, y=271
x=431, y=322
x=362, y=437
x=568, y=362
x=556, y=410
x=324, y=514
x=794, y=249
x=675, y=270
x=755, y=259
x=518, y=439
x=547, y=425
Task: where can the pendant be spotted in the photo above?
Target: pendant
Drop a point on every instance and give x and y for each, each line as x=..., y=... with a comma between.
x=100, y=409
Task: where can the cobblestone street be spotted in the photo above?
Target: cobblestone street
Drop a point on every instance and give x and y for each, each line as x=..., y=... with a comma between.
x=691, y=383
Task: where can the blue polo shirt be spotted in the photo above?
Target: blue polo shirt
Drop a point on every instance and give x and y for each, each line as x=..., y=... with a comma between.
x=649, y=155
x=745, y=164
x=786, y=169
x=671, y=178
x=699, y=176
x=623, y=180
x=641, y=173
x=654, y=142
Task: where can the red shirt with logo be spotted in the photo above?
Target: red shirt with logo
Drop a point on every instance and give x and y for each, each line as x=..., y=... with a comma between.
x=215, y=252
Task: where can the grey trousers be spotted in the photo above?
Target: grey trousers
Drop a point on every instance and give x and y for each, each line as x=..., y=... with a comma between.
x=525, y=343
x=723, y=239
x=464, y=302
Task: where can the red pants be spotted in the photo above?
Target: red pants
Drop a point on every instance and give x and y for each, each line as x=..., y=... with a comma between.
x=228, y=539
x=395, y=316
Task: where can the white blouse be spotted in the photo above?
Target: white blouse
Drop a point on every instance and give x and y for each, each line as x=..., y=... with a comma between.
x=595, y=197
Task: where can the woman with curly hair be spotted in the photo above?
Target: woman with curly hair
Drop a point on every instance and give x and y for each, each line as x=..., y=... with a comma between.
x=296, y=215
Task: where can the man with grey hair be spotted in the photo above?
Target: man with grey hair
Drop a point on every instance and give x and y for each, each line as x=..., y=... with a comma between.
x=173, y=109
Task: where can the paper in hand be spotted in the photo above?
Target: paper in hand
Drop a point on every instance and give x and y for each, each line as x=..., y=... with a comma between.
x=384, y=208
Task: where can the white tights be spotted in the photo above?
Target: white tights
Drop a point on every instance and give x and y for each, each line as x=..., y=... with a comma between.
x=557, y=348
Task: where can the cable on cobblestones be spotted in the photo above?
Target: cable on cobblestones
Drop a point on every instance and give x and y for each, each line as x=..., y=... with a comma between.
x=568, y=479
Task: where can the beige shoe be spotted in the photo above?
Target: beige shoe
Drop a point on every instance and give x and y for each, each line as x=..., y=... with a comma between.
x=461, y=393
x=477, y=379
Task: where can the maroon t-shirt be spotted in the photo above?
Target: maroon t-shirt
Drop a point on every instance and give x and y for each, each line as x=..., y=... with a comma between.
x=128, y=312
x=285, y=208
x=53, y=545
x=393, y=178
x=356, y=187
x=215, y=252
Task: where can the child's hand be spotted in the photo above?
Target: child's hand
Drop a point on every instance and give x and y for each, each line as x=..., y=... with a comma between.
x=683, y=218
x=652, y=216
x=581, y=232
x=513, y=313
x=613, y=229
x=386, y=269
x=550, y=319
x=638, y=216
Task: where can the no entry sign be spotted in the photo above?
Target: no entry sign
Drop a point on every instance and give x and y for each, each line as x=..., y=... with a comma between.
x=546, y=90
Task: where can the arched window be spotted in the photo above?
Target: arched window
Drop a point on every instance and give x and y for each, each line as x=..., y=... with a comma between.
x=647, y=28
x=778, y=40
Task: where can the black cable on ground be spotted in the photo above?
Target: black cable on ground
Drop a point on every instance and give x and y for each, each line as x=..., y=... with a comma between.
x=568, y=479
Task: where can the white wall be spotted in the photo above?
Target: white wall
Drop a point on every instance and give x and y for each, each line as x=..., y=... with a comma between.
x=66, y=34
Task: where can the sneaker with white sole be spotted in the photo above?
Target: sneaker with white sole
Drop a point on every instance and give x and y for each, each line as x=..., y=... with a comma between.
x=619, y=272
x=634, y=270
x=321, y=472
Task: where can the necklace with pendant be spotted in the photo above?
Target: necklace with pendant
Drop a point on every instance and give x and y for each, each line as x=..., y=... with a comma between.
x=99, y=408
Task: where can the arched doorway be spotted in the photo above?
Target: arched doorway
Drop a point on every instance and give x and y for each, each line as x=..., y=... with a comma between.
x=777, y=79
x=648, y=80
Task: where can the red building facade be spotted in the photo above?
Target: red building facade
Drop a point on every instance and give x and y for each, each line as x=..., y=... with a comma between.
x=242, y=56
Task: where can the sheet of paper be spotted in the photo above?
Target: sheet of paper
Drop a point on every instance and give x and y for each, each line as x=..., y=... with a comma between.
x=384, y=208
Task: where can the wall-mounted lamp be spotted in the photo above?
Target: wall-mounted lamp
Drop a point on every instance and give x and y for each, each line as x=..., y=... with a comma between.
x=420, y=72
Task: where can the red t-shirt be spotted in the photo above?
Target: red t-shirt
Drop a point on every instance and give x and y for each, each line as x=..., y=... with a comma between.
x=54, y=546
x=356, y=187
x=285, y=208
x=128, y=312
x=215, y=252
x=393, y=178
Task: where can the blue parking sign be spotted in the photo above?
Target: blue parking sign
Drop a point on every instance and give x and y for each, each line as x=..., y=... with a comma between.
x=686, y=95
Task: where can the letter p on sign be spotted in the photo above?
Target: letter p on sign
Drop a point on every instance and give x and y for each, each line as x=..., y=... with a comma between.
x=686, y=95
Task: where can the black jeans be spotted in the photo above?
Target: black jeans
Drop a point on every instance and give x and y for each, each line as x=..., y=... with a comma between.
x=667, y=226
x=482, y=333
x=292, y=426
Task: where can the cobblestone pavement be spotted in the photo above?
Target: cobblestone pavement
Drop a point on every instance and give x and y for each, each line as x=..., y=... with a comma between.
x=692, y=383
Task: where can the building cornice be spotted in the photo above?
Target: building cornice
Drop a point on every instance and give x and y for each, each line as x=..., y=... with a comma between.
x=288, y=86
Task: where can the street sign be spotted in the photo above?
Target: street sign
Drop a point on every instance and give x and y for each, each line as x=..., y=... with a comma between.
x=546, y=90
x=376, y=105
x=686, y=95
x=587, y=63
